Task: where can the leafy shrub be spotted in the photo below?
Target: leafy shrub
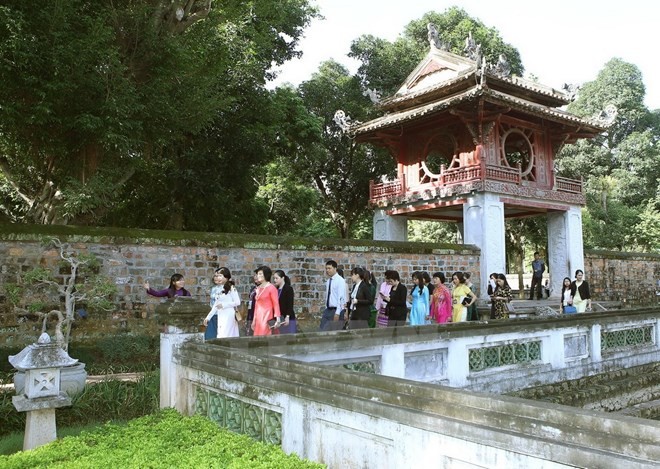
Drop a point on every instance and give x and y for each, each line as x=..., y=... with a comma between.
x=98, y=403
x=165, y=439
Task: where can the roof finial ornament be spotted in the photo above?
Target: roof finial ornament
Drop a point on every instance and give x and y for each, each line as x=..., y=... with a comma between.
x=342, y=120
x=472, y=49
x=434, y=37
x=607, y=116
x=502, y=68
x=374, y=95
x=571, y=90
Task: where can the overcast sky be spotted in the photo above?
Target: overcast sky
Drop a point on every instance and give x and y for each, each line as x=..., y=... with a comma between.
x=560, y=41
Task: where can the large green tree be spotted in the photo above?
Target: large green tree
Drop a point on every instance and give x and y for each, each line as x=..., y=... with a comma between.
x=621, y=167
x=96, y=94
x=339, y=168
x=384, y=65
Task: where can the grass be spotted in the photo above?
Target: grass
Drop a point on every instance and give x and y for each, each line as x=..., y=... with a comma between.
x=13, y=442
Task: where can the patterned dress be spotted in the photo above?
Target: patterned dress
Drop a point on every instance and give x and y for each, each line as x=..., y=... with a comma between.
x=441, y=304
x=500, y=305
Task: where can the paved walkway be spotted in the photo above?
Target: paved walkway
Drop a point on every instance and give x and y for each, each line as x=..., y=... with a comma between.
x=94, y=379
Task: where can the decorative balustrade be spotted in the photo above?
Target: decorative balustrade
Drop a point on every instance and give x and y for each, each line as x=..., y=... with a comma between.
x=386, y=189
x=448, y=177
x=459, y=175
x=503, y=173
x=568, y=185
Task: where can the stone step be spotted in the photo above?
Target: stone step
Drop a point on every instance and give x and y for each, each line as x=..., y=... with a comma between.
x=645, y=410
x=611, y=391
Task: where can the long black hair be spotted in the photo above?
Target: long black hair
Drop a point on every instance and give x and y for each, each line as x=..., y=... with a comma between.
x=280, y=273
x=420, y=280
x=226, y=274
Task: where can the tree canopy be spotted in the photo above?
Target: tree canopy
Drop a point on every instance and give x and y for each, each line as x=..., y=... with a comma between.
x=621, y=167
x=94, y=93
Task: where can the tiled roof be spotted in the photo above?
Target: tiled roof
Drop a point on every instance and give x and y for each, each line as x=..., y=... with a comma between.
x=469, y=95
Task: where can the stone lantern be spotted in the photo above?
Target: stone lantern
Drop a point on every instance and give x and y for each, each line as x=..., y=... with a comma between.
x=41, y=394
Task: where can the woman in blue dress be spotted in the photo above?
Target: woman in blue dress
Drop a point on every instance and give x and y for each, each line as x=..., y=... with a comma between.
x=419, y=313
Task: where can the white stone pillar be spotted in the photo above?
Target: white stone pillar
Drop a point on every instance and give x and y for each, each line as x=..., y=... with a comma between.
x=388, y=228
x=169, y=376
x=565, y=246
x=483, y=226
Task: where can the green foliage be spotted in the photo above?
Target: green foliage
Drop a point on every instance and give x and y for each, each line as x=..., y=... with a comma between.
x=339, y=169
x=385, y=65
x=622, y=167
x=37, y=275
x=108, y=400
x=13, y=443
x=103, y=103
x=126, y=347
x=432, y=232
x=165, y=439
x=13, y=293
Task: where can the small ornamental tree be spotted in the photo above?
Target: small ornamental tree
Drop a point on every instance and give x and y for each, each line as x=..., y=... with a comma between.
x=37, y=288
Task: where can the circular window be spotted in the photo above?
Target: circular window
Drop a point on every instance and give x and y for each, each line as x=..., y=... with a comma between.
x=440, y=151
x=517, y=150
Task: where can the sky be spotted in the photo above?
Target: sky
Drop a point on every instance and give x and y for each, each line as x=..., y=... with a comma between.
x=560, y=41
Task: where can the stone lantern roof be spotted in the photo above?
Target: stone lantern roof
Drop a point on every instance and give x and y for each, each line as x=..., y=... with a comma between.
x=43, y=354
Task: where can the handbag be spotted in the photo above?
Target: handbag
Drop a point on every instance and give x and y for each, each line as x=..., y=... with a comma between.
x=509, y=307
x=570, y=309
x=237, y=315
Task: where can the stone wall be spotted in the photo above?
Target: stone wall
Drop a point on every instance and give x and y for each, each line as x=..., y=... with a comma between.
x=629, y=277
x=131, y=257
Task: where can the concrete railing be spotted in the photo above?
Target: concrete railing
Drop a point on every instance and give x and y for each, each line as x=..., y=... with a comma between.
x=296, y=391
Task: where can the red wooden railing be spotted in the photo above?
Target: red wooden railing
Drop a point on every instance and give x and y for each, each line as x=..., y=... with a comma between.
x=568, y=185
x=385, y=190
x=503, y=173
x=464, y=174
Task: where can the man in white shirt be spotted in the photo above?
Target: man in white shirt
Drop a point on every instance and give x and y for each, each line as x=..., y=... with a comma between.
x=335, y=297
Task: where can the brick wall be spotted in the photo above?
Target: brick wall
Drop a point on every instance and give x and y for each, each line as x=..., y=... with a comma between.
x=129, y=258
x=623, y=276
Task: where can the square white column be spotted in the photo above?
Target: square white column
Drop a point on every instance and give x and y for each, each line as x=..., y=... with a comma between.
x=388, y=228
x=483, y=226
x=565, y=246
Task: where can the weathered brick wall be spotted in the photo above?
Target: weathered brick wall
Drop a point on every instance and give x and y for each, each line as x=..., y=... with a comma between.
x=129, y=258
x=623, y=276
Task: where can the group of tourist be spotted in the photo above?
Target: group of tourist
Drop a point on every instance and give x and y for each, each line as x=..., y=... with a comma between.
x=271, y=300
x=270, y=305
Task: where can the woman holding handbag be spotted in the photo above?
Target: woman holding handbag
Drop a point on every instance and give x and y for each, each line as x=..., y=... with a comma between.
x=566, y=305
x=285, y=295
x=461, y=297
x=266, y=304
x=224, y=300
x=501, y=297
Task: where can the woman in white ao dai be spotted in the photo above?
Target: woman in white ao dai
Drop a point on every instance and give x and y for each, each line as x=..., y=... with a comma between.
x=225, y=300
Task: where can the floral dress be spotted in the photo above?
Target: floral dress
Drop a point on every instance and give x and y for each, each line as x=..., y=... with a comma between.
x=500, y=305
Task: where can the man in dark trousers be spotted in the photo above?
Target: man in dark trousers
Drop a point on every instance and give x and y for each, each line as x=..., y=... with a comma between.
x=538, y=267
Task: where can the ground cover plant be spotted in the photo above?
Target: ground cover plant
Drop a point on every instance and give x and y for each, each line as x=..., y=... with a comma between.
x=163, y=439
